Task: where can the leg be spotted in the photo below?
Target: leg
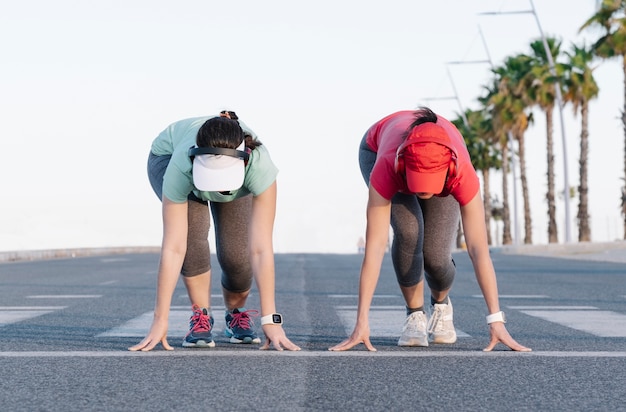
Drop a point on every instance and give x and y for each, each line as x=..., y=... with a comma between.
x=406, y=250
x=196, y=269
x=231, y=233
x=441, y=220
x=407, y=257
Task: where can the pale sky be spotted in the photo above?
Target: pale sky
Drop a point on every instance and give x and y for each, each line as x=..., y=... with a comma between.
x=85, y=87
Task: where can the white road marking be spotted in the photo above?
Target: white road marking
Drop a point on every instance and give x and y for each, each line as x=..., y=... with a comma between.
x=31, y=307
x=602, y=323
x=516, y=296
x=385, y=321
x=178, y=323
x=552, y=307
x=357, y=296
x=64, y=296
x=14, y=314
x=255, y=352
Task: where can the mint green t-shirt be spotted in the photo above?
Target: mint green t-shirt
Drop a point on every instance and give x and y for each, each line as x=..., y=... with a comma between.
x=176, y=140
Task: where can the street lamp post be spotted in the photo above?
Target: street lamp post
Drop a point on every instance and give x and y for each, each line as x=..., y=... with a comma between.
x=509, y=139
x=559, y=100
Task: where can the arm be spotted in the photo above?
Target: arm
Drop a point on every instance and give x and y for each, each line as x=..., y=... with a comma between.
x=262, y=260
x=475, y=231
x=377, y=236
x=173, y=251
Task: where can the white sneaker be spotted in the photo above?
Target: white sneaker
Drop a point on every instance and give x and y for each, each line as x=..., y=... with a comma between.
x=440, y=326
x=414, y=330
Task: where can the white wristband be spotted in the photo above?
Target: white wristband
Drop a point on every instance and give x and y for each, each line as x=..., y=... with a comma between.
x=496, y=317
x=272, y=319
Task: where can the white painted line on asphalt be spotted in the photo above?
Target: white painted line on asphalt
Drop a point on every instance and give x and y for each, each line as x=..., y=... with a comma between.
x=552, y=307
x=64, y=296
x=385, y=321
x=357, y=296
x=32, y=307
x=14, y=316
x=213, y=296
x=602, y=323
x=110, y=282
x=396, y=353
x=110, y=260
x=377, y=307
x=516, y=296
x=178, y=324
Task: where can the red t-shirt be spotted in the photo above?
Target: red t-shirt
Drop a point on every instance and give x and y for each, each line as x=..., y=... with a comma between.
x=384, y=138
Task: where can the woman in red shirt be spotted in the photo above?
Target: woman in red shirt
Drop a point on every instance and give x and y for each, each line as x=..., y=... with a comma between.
x=421, y=181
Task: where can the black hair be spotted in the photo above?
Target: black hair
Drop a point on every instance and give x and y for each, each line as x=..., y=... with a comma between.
x=421, y=115
x=220, y=132
x=224, y=132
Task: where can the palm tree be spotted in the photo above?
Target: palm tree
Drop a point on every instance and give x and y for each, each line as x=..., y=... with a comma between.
x=510, y=108
x=542, y=92
x=612, y=43
x=580, y=88
x=477, y=133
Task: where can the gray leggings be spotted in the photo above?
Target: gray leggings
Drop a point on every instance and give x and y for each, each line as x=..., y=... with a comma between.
x=231, y=233
x=424, y=233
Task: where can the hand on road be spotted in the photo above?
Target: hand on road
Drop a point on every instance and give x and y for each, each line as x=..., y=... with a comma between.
x=359, y=335
x=275, y=336
x=157, y=334
x=499, y=334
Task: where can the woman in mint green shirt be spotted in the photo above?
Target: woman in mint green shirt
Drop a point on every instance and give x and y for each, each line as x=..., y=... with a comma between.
x=215, y=162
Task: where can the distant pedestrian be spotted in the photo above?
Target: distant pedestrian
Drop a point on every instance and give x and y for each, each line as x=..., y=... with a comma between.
x=216, y=162
x=421, y=180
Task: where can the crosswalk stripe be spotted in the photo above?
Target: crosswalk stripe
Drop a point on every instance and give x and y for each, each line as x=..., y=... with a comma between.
x=64, y=296
x=31, y=308
x=384, y=322
x=552, y=307
x=516, y=296
x=601, y=323
x=14, y=316
x=178, y=324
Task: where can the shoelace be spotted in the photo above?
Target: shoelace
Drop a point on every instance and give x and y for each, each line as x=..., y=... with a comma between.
x=435, y=322
x=200, y=321
x=414, y=326
x=243, y=319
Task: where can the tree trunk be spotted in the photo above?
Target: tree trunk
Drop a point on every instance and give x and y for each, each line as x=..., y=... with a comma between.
x=584, y=230
x=528, y=229
x=506, y=217
x=552, y=230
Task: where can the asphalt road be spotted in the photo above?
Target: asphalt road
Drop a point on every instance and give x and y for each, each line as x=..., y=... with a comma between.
x=65, y=325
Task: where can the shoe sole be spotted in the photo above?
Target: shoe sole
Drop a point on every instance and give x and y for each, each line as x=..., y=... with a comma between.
x=441, y=339
x=414, y=342
x=244, y=340
x=199, y=344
